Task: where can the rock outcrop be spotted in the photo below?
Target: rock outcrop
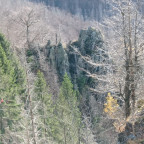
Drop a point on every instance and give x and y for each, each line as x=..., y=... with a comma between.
x=83, y=56
x=58, y=59
x=133, y=134
x=79, y=59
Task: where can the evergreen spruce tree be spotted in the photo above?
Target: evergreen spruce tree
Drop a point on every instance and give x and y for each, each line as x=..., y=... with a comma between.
x=68, y=113
x=10, y=109
x=48, y=124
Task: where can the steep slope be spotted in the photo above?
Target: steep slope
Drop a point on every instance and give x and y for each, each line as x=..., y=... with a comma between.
x=81, y=59
x=90, y=9
x=85, y=62
x=11, y=94
x=50, y=23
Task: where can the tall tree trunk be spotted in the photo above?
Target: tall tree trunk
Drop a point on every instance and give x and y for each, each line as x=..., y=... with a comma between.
x=65, y=141
x=32, y=120
x=1, y=130
x=127, y=96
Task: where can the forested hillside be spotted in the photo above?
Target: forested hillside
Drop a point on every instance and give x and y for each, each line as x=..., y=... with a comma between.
x=68, y=79
x=89, y=9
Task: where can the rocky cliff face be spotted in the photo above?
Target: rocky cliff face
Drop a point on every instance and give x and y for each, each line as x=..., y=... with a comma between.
x=84, y=54
x=74, y=59
x=57, y=58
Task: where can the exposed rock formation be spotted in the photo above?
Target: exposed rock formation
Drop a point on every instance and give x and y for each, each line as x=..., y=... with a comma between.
x=57, y=58
x=89, y=45
x=133, y=134
x=91, y=50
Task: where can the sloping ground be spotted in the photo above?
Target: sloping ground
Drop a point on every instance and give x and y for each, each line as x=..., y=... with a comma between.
x=89, y=9
x=133, y=134
x=49, y=23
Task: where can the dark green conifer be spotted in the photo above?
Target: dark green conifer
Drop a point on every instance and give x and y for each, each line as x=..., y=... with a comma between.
x=10, y=109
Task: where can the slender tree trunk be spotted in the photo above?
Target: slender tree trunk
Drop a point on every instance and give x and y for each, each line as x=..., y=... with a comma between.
x=28, y=141
x=64, y=130
x=65, y=141
x=31, y=112
x=129, y=88
x=27, y=35
x=45, y=131
x=127, y=96
x=1, y=131
x=79, y=136
x=32, y=120
x=127, y=79
x=29, y=99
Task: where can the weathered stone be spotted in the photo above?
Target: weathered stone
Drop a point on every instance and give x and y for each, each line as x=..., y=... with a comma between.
x=62, y=63
x=57, y=58
x=132, y=132
x=90, y=44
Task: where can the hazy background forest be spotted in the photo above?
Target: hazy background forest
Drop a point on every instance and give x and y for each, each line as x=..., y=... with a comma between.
x=71, y=72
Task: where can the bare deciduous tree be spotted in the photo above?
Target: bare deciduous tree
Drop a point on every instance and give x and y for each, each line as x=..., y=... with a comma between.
x=126, y=49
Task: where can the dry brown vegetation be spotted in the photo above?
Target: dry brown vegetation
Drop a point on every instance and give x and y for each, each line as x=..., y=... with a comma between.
x=49, y=23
